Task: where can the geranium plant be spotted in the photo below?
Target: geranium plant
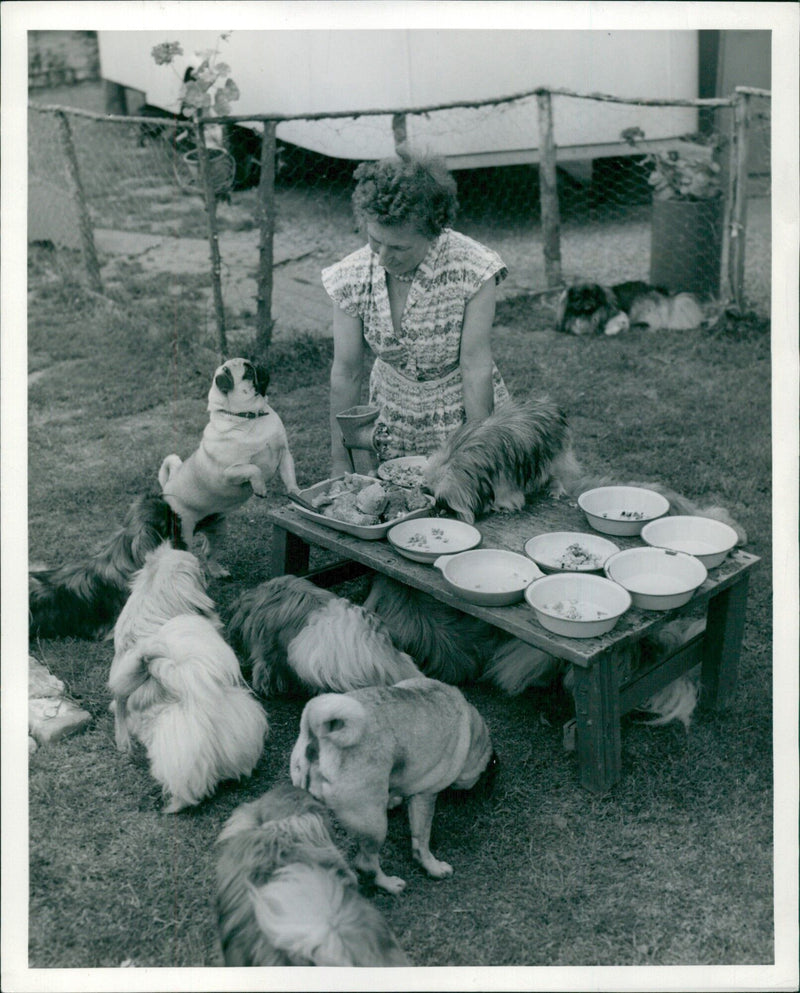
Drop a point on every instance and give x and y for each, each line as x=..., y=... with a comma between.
x=209, y=87
x=687, y=171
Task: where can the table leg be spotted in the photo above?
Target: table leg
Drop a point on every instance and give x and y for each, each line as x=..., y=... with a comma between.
x=597, y=715
x=289, y=553
x=722, y=644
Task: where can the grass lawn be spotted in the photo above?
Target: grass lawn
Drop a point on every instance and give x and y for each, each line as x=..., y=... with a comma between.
x=672, y=867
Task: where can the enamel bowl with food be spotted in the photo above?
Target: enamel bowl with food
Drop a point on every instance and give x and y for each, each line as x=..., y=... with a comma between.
x=657, y=578
x=490, y=577
x=706, y=539
x=569, y=551
x=426, y=538
x=404, y=471
x=578, y=605
x=622, y=509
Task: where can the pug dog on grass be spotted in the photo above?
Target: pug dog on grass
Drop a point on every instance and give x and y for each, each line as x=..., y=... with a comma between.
x=243, y=446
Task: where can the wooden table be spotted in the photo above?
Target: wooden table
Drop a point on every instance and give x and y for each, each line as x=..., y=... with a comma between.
x=602, y=695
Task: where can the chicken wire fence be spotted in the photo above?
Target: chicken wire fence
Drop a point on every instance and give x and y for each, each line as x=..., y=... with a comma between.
x=126, y=189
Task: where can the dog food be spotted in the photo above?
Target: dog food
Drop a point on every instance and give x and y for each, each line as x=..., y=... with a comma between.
x=420, y=540
x=575, y=556
x=575, y=610
x=402, y=475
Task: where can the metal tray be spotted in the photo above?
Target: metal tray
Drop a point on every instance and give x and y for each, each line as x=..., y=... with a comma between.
x=370, y=532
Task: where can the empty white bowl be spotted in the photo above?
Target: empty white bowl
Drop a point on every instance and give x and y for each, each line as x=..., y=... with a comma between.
x=577, y=605
x=426, y=538
x=569, y=551
x=490, y=577
x=706, y=539
x=622, y=509
x=657, y=578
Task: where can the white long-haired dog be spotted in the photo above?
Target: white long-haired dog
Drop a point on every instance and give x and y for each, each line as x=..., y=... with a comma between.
x=303, y=639
x=590, y=308
x=285, y=894
x=521, y=448
x=177, y=686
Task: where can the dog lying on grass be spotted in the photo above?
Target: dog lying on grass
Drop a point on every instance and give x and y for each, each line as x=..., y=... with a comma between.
x=243, y=446
x=590, y=308
x=285, y=894
x=301, y=639
x=83, y=599
x=358, y=751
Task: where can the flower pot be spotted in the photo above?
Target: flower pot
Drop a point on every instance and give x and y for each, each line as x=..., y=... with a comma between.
x=686, y=245
x=221, y=165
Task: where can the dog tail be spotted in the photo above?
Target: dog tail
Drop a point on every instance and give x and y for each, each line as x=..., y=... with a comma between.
x=339, y=718
x=169, y=467
x=83, y=599
x=516, y=665
x=309, y=914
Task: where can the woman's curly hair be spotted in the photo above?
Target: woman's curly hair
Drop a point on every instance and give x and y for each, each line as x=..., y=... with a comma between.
x=401, y=190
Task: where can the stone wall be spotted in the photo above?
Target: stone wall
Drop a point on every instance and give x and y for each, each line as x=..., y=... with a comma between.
x=56, y=58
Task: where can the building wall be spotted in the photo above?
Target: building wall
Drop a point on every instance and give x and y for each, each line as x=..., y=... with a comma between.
x=56, y=58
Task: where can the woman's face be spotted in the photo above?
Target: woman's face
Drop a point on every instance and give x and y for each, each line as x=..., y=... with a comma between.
x=399, y=247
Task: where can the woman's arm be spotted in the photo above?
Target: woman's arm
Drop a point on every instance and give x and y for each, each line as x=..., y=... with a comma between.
x=476, y=353
x=346, y=373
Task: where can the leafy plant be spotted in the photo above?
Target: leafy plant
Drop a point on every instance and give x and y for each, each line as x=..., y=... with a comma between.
x=689, y=171
x=208, y=86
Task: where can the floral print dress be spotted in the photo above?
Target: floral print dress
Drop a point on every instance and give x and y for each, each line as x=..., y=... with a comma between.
x=416, y=378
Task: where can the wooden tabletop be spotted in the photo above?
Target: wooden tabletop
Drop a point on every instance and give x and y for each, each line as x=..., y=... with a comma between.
x=511, y=531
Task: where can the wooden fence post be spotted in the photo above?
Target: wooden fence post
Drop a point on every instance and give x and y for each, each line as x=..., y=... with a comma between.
x=399, y=133
x=79, y=199
x=738, y=215
x=213, y=240
x=266, y=226
x=548, y=191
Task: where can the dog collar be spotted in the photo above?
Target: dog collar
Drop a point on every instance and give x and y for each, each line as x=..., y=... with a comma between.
x=249, y=414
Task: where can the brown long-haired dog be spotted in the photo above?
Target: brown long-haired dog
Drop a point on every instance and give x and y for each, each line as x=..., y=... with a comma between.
x=285, y=894
x=302, y=639
x=83, y=599
x=521, y=448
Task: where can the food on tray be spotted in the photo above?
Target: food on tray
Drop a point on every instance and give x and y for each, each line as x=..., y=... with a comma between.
x=574, y=610
x=372, y=500
x=356, y=500
x=575, y=556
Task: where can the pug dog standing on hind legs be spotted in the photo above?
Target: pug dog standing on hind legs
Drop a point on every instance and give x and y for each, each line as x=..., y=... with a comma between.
x=243, y=446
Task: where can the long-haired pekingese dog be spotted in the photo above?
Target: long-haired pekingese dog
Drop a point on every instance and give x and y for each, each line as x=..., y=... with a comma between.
x=285, y=894
x=305, y=640
x=357, y=751
x=177, y=686
x=83, y=599
x=590, y=308
x=521, y=448
x=243, y=446
x=170, y=583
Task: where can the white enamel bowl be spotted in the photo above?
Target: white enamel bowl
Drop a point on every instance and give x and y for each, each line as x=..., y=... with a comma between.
x=426, y=538
x=569, y=551
x=621, y=509
x=657, y=578
x=706, y=539
x=578, y=605
x=490, y=577
x=404, y=471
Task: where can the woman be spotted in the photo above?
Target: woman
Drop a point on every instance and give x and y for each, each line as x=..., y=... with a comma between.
x=421, y=297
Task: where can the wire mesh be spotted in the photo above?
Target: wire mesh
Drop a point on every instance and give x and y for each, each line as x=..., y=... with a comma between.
x=145, y=202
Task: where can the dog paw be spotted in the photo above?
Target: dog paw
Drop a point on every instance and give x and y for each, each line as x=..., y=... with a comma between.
x=616, y=324
x=259, y=486
x=435, y=868
x=392, y=884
